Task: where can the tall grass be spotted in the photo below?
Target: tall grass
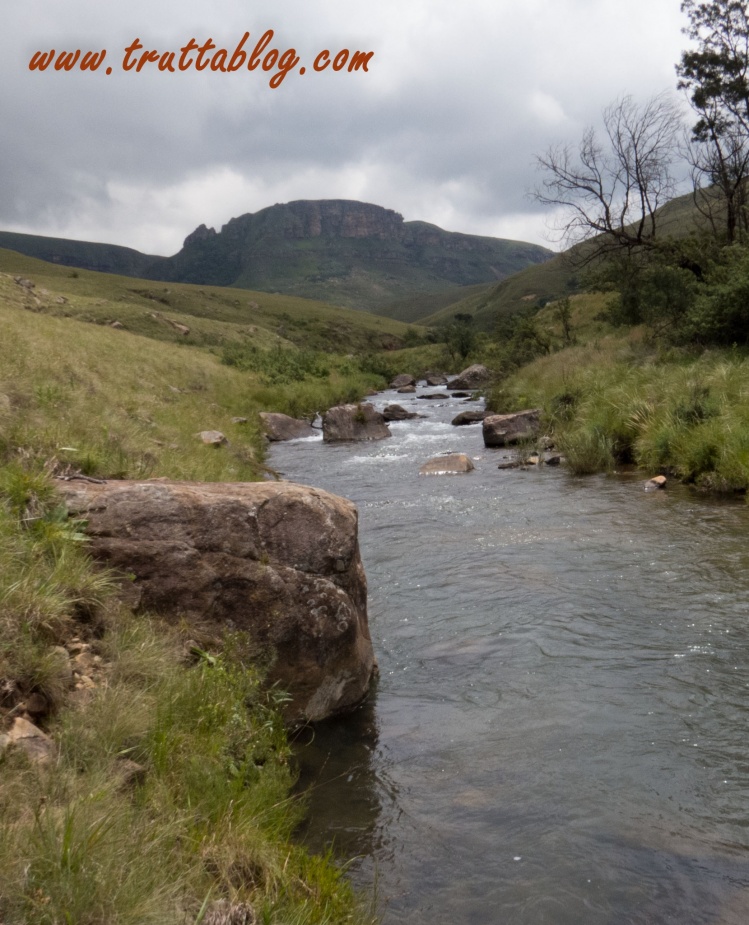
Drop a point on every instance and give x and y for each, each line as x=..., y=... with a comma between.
x=618, y=401
x=208, y=815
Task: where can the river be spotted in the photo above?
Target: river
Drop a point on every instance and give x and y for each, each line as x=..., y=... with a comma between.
x=559, y=732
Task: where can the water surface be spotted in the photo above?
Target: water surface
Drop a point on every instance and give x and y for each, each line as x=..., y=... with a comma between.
x=559, y=733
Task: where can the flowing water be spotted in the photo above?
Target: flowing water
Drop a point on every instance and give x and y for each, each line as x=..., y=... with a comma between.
x=559, y=732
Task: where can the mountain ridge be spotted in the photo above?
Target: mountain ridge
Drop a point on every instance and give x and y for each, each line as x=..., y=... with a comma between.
x=349, y=253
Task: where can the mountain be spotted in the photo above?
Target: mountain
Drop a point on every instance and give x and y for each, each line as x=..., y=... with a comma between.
x=339, y=251
x=345, y=252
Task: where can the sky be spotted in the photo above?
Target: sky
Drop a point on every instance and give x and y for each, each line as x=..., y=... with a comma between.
x=444, y=126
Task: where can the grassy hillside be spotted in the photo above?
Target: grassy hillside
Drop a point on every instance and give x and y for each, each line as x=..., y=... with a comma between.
x=414, y=308
x=556, y=277
x=211, y=818
x=212, y=314
x=618, y=397
x=106, y=258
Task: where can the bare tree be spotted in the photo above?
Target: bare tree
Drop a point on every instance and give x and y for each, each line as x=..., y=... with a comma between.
x=611, y=189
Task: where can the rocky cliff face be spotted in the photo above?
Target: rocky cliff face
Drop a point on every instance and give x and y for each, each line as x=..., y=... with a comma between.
x=346, y=252
x=278, y=561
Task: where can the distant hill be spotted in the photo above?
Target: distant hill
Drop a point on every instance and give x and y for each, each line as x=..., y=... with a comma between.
x=339, y=251
x=86, y=255
x=540, y=283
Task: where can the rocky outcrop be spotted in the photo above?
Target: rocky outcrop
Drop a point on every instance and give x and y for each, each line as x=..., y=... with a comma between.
x=450, y=464
x=506, y=429
x=468, y=417
x=472, y=378
x=275, y=560
x=402, y=380
x=277, y=427
x=353, y=422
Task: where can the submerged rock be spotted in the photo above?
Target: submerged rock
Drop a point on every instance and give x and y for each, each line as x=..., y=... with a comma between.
x=353, y=422
x=397, y=413
x=450, y=464
x=468, y=417
x=279, y=427
x=275, y=560
x=656, y=483
x=505, y=429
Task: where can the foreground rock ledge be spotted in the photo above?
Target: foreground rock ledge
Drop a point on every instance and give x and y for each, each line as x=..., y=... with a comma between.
x=277, y=560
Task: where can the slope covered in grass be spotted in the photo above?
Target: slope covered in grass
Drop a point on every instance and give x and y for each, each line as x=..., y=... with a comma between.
x=213, y=315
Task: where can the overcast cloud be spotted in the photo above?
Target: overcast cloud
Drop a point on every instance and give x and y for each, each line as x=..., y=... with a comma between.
x=458, y=99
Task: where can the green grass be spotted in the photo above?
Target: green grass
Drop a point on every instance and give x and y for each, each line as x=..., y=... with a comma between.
x=211, y=817
x=214, y=315
x=617, y=399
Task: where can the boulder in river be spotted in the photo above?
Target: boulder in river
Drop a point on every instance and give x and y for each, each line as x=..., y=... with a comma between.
x=276, y=560
x=435, y=379
x=505, y=429
x=397, y=413
x=402, y=380
x=468, y=417
x=472, y=378
x=282, y=427
x=353, y=422
x=407, y=389
x=450, y=464
x=434, y=396
x=656, y=483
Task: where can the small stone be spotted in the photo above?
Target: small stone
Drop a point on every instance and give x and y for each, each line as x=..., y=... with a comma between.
x=553, y=460
x=118, y=325
x=130, y=773
x=239, y=420
x=212, y=437
x=36, y=704
x=38, y=747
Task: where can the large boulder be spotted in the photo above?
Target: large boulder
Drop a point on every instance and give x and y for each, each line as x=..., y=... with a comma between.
x=275, y=560
x=505, y=429
x=278, y=427
x=353, y=422
x=472, y=378
x=449, y=464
